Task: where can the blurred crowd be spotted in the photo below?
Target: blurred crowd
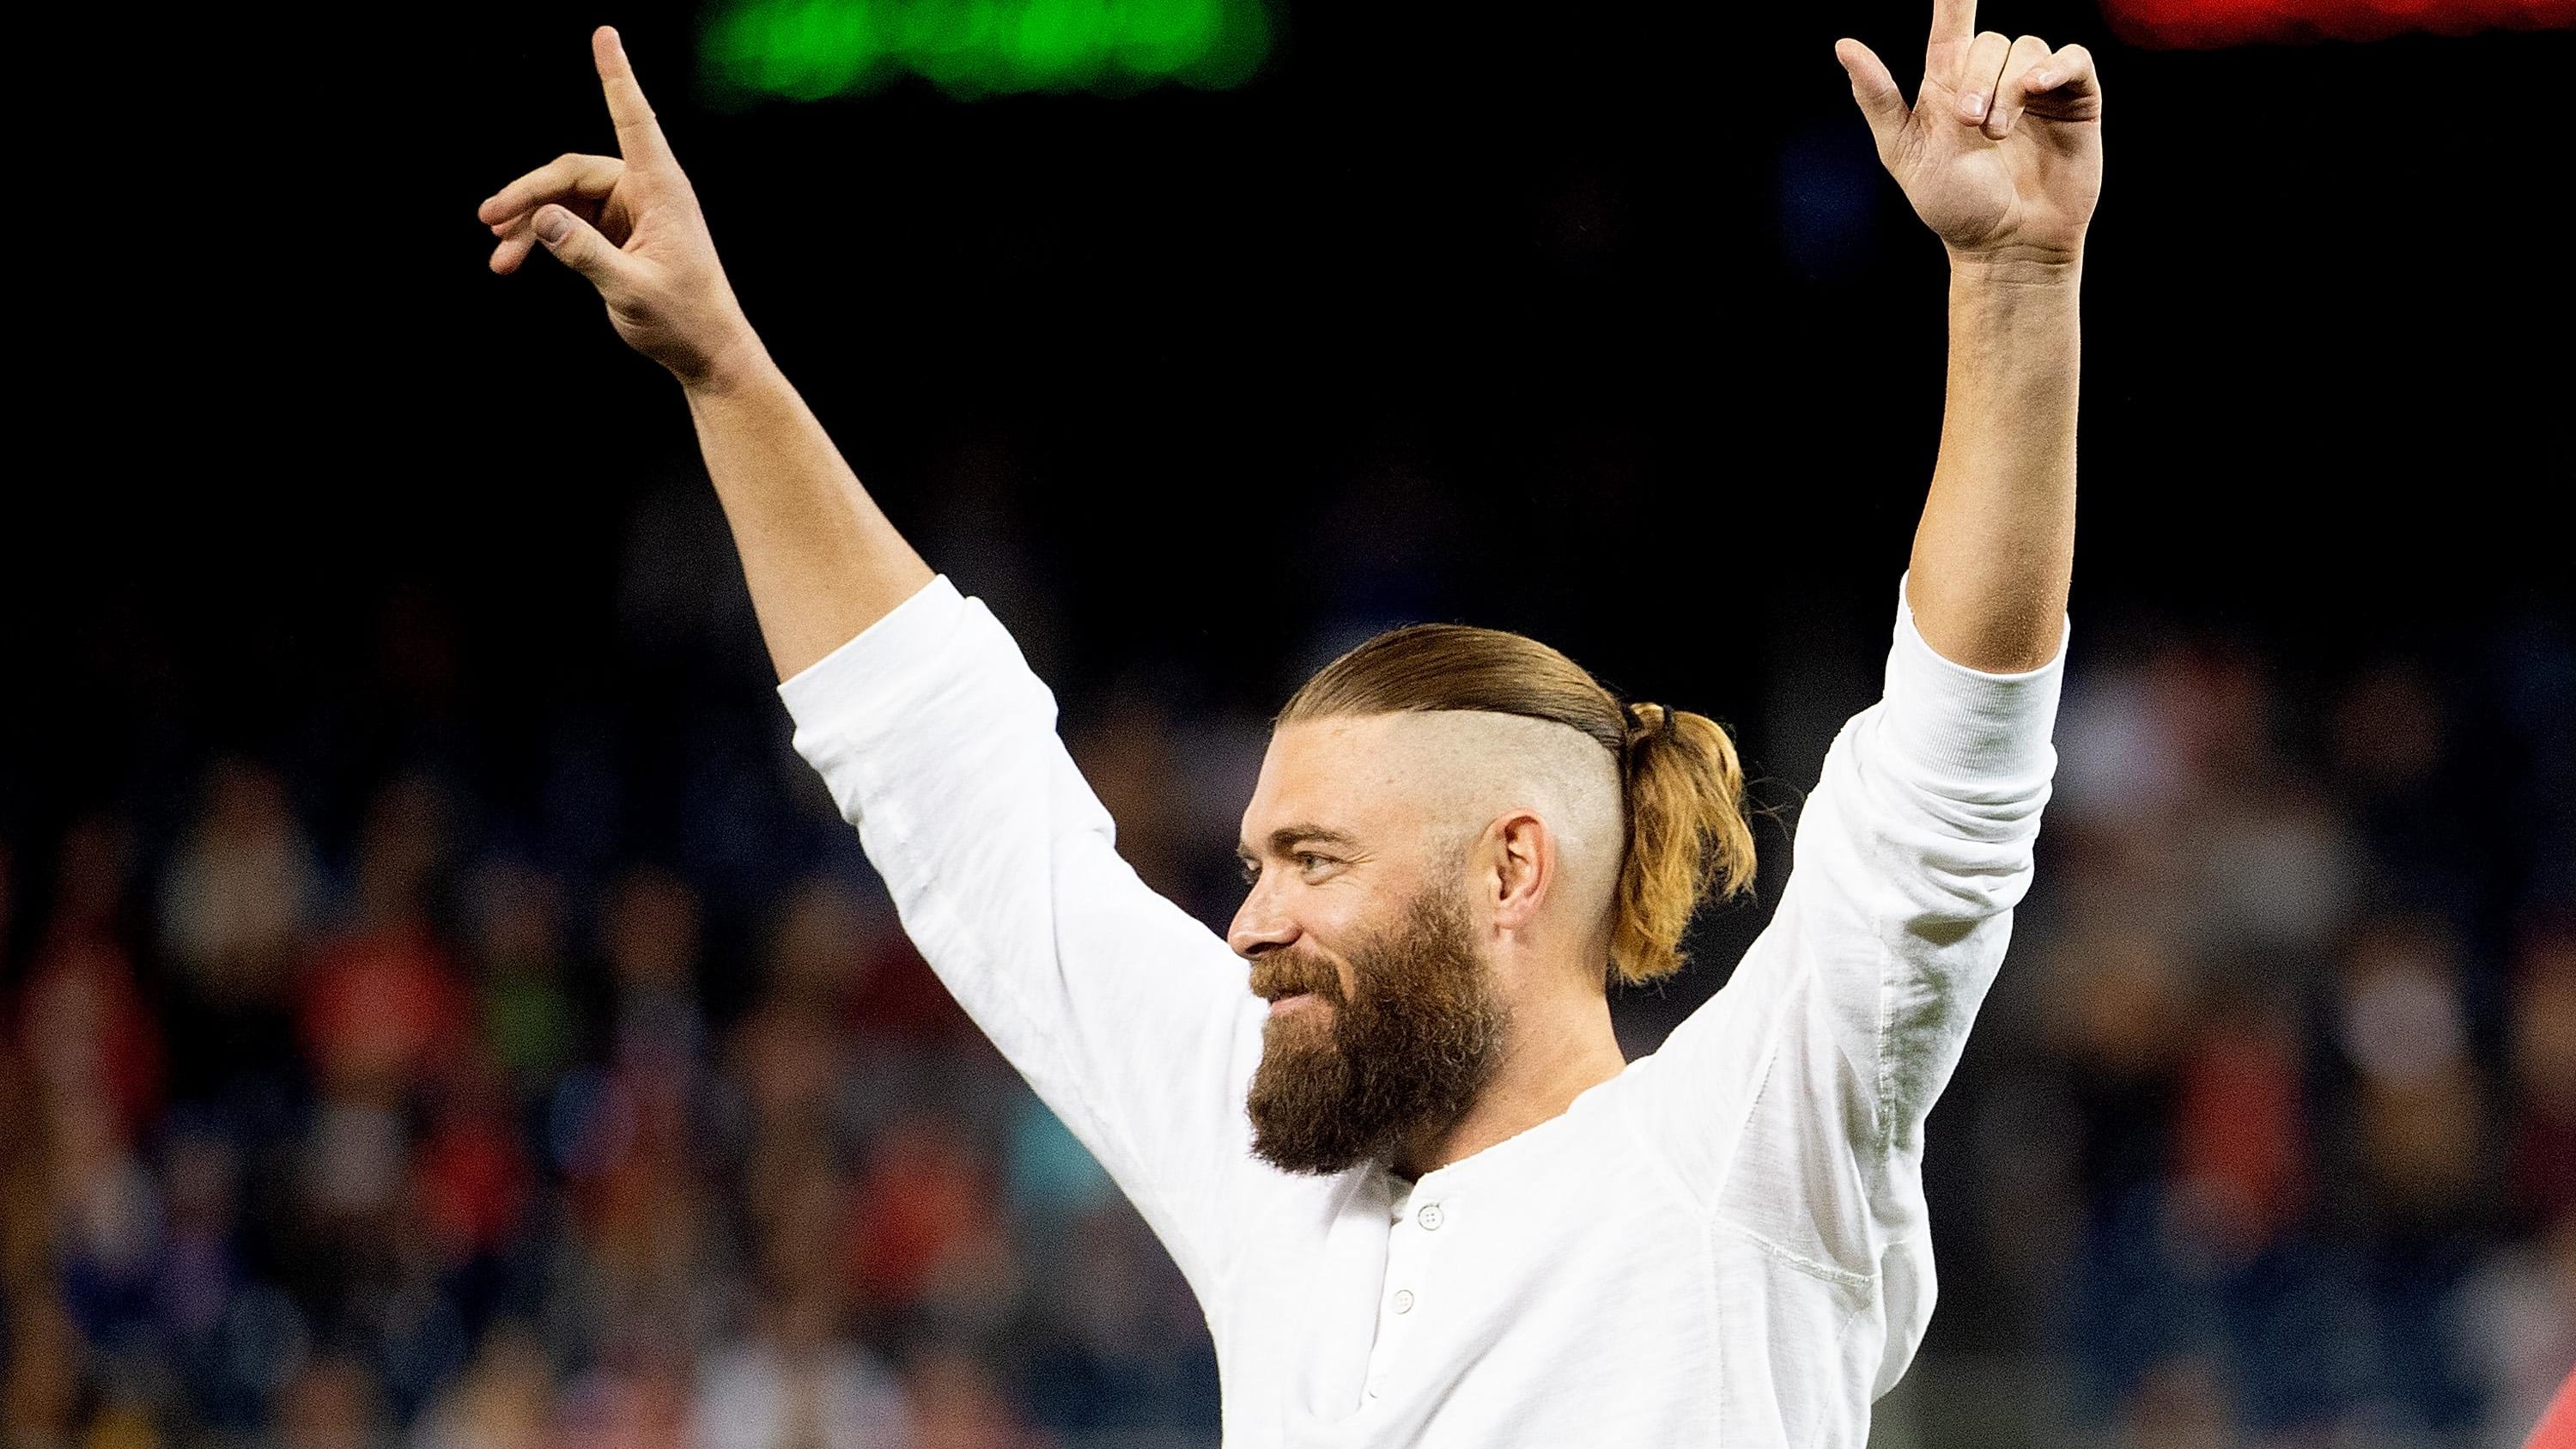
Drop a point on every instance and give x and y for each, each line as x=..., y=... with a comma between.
x=2270, y=1134
x=423, y=1105
x=428, y=1151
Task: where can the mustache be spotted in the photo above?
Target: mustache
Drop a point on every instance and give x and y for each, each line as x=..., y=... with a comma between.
x=1281, y=974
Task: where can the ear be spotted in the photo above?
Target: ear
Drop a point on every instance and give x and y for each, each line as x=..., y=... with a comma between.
x=1521, y=869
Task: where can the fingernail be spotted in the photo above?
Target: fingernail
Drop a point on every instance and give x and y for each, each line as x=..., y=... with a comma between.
x=2046, y=80
x=1973, y=106
x=553, y=225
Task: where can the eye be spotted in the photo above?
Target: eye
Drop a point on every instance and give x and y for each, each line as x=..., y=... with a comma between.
x=1311, y=863
x=1249, y=868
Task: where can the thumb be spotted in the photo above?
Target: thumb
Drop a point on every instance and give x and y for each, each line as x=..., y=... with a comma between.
x=1880, y=101
x=578, y=245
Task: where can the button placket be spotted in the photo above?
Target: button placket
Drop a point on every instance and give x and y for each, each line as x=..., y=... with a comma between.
x=1409, y=1244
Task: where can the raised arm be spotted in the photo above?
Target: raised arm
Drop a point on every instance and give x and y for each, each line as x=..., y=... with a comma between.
x=2001, y=155
x=1795, y=1100
x=822, y=560
x=1131, y=1020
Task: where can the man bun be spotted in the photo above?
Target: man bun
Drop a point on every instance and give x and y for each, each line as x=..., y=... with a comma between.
x=1688, y=840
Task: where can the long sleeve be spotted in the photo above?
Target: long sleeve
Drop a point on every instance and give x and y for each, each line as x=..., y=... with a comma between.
x=1791, y=1105
x=1132, y=1021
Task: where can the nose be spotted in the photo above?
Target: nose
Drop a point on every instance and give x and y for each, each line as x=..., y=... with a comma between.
x=1260, y=926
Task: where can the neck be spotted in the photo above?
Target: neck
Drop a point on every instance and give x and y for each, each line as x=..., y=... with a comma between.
x=1549, y=1058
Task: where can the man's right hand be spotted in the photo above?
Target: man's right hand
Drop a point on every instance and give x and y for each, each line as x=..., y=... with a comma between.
x=630, y=223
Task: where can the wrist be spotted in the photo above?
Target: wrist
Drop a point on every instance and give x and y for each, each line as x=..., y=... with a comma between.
x=738, y=363
x=2017, y=267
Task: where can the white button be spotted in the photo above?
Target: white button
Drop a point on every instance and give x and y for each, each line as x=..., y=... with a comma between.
x=1404, y=1300
x=1429, y=1217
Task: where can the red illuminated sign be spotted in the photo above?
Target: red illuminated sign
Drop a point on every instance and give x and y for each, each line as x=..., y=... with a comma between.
x=2202, y=23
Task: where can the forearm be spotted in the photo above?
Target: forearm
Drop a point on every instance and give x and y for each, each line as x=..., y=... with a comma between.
x=1996, y=547
x=822, y=560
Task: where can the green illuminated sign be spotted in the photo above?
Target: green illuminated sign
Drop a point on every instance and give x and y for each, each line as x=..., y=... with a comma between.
x=808, y=49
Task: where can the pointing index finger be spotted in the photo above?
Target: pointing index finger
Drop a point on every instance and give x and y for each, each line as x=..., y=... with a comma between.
x=1953, y=20
x=639, y=136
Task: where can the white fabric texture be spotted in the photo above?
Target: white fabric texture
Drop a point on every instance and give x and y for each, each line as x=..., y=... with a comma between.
x=1726, y=1244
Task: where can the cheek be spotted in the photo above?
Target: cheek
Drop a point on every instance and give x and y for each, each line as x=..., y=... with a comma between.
x=1346, y=938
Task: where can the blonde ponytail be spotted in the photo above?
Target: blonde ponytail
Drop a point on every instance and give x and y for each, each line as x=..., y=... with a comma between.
x=1687, y=835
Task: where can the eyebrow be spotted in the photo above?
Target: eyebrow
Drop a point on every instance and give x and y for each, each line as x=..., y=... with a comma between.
x=1288, y=837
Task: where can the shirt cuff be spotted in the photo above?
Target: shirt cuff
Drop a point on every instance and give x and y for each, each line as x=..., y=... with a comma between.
x=1963, y=723
x=874, y=661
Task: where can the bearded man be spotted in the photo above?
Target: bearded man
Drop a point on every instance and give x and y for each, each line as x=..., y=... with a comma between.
x=1389, y=1137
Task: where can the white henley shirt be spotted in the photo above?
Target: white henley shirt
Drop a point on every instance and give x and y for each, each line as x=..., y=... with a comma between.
x=1725, y=1244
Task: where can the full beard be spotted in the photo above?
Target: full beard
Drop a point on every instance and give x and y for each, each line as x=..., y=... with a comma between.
x=1407, y=1052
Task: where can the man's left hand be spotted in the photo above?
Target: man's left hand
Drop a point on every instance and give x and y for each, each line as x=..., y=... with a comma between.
x=2001, y=152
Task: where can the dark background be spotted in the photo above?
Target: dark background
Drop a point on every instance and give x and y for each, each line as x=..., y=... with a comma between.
x=1624, y=294
x=1595, y=322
